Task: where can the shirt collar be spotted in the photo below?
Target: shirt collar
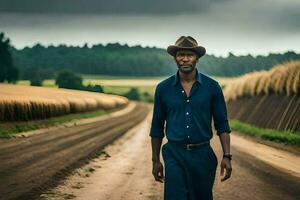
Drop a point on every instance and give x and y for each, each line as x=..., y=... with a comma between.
x=198, y=77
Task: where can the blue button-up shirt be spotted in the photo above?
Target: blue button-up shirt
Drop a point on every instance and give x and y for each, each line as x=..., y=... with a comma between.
x=189, y=118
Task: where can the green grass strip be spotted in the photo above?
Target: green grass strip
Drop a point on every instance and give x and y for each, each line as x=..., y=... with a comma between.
x=286, y=137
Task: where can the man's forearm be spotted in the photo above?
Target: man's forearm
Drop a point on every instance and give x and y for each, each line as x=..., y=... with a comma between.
x=225, y=141
x=156, y=144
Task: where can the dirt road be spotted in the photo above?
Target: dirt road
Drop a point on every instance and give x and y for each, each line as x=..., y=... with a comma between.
x=29, y=165
x=123, y=172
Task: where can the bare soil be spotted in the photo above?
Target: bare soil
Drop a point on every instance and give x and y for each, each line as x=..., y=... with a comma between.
x=260, y=172
x=41, y=166
x=31, y=164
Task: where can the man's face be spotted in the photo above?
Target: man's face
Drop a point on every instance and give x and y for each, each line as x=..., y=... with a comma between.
x=186, y=60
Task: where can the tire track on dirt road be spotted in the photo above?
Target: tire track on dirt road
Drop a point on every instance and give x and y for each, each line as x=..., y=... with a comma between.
x=126, y=174
x=28, y=168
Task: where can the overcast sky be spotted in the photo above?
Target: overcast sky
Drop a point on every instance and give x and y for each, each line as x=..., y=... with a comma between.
x=238, y=26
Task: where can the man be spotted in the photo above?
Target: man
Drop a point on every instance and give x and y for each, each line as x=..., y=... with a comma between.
x=187, y=102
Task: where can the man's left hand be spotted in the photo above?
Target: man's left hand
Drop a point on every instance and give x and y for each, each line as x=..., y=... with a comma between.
x=226, y=164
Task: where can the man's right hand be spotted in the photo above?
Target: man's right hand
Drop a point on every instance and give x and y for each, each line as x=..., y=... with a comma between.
x=158, y=171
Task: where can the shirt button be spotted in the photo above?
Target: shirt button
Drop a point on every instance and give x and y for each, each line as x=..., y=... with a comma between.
x=187, y=100
x=187, y=126
x=187, y=113
x=182, y=91
x=188, y=136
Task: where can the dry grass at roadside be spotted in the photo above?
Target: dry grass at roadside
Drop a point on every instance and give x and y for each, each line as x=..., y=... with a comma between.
x=27, y=102
x=281, y=79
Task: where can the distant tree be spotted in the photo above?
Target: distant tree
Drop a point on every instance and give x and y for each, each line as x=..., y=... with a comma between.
x=69, y=80
x=8, y=72
x=36, y=81
x=146, y=94
x=93, y=88
x=133, y=94
x=34, y=76
x=98, y=88
x=147, y=97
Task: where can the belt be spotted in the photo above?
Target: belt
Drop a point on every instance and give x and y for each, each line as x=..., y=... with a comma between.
x=190, y=146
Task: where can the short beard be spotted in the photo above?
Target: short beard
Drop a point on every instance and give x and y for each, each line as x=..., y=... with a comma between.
x=186, y=69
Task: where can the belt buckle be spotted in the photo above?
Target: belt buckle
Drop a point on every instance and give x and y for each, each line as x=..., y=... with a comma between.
x=188, y=147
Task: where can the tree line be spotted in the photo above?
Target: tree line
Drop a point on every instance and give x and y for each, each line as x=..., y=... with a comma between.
x=45, y=62
x=8, y=71
x=122, y=60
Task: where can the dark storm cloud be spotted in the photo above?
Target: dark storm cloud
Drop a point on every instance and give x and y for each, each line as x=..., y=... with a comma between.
x=239, y=26
x=107, y=6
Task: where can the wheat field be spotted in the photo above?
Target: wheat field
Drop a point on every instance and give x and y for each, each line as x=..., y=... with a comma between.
x=281, y=79
x=18, y=102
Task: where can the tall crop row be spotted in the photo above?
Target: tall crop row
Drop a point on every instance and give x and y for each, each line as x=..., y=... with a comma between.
x=281, y=79
x=27, y=102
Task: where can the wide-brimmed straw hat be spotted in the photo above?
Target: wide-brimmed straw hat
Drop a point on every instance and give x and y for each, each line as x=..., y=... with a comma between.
x=186, y=43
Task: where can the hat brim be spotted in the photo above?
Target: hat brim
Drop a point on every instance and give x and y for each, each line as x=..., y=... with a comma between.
x=199, y=50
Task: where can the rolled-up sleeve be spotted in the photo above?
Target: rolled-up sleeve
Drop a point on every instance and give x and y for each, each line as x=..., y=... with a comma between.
x=159, y=115
x=220, y=112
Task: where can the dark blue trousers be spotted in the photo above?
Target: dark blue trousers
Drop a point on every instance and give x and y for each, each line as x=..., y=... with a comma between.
x=189, y=174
